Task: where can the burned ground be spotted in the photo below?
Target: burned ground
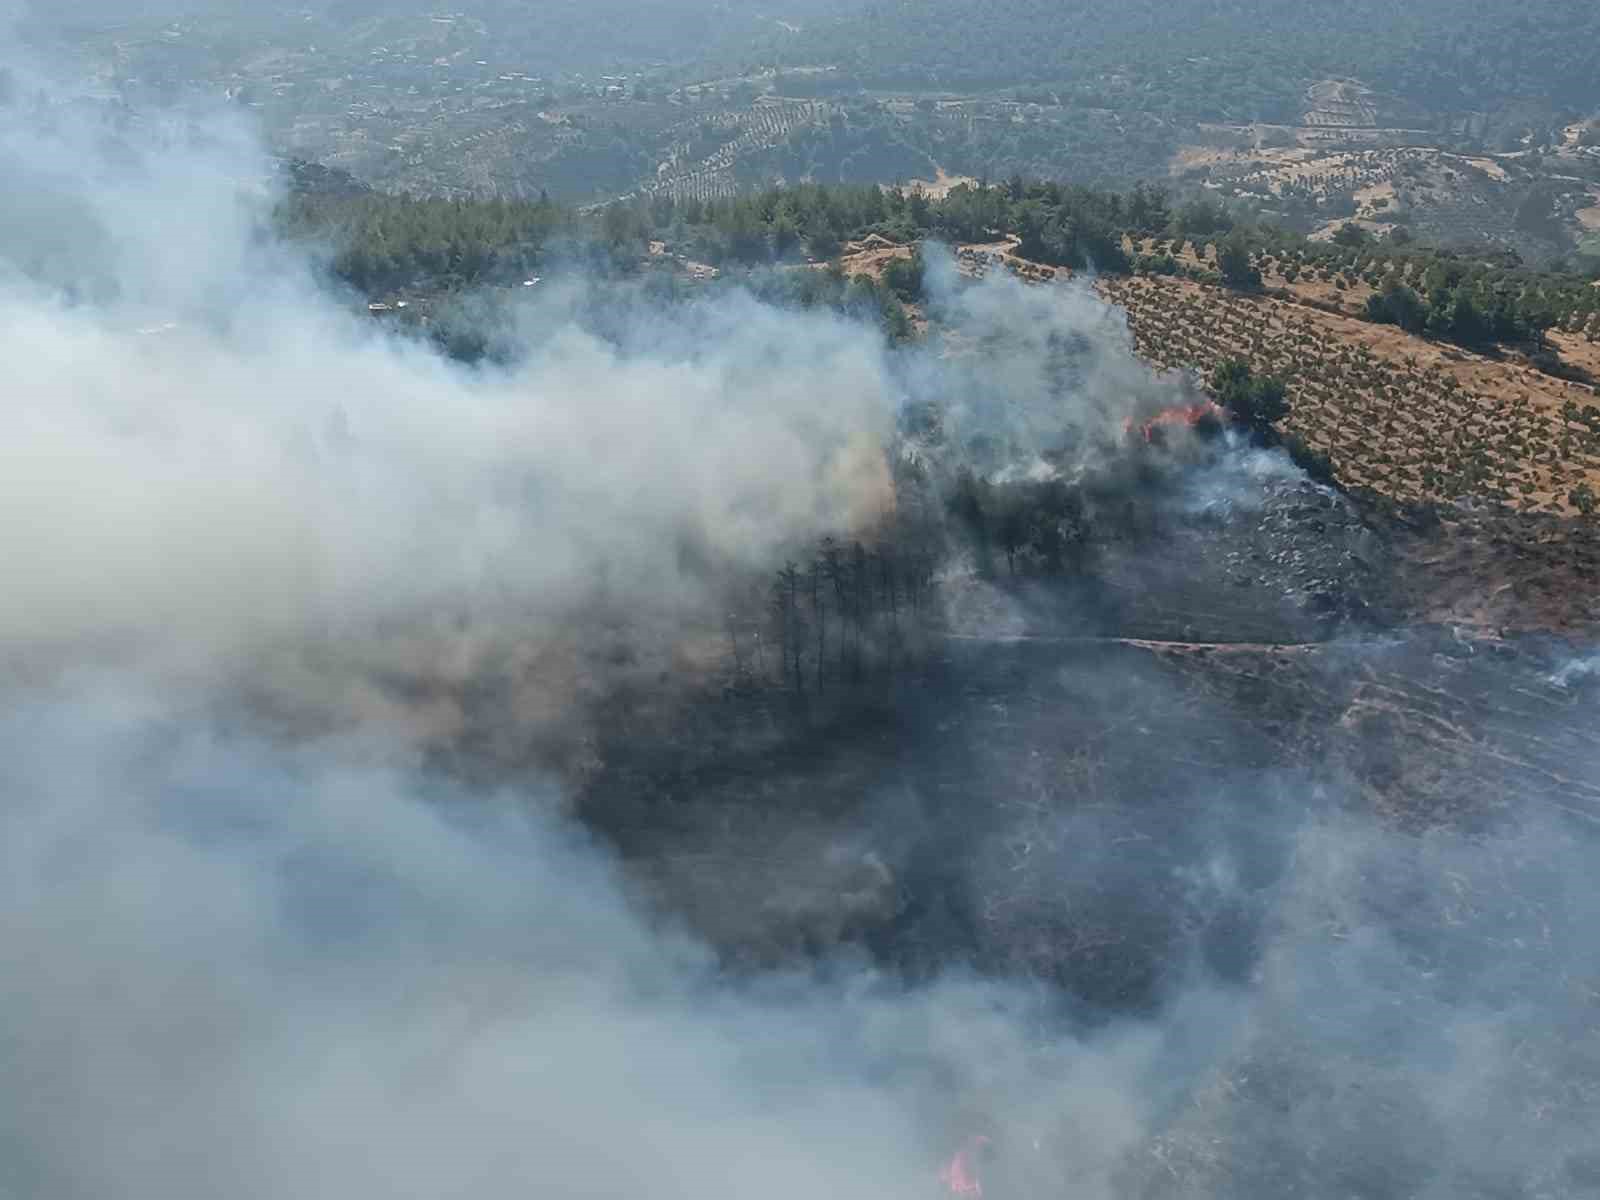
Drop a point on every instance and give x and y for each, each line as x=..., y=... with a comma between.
x=1044, y=790
x=1229, y=758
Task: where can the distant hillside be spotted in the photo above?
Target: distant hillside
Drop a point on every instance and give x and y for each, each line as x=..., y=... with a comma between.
x=549, y=36
x=314, y=179
x=1228, y=60
x=591, y=101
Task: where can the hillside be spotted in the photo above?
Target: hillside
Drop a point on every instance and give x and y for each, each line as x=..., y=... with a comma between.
x=1409, y=418
x=1229, y=60
x=587, y=103
x=1534, y=204
x=782, y=694
x=1423, y=375
x=1412, y=417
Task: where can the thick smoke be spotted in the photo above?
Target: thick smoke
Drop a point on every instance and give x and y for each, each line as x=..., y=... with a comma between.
x=238, y=969
x=218, y=452
x=214, y=465
x=256, y=948
x=255, y=961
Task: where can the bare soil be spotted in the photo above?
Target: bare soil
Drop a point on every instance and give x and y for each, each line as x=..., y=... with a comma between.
x=1589, y=218
x=872, y=258
x=941, y=185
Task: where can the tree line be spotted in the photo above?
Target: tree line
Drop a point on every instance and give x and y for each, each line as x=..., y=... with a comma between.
x=847, y=610
x=378, y=243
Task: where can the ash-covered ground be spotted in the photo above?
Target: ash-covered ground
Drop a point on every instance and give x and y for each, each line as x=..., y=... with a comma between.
x=1241, y=632
x=1221, y=762
x=1224, y=753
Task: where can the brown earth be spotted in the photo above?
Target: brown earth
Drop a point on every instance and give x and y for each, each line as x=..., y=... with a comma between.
x=940, y=186
x=1589, y=218
x=1468, y=459
x=872, y=256
x=1409, y=418
x=1336, y=173
x=1489, y=447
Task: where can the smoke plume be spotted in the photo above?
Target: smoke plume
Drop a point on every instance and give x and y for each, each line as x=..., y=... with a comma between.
x=260, y=552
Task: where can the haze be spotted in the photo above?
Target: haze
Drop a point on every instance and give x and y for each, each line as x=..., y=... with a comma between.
x=852, y=600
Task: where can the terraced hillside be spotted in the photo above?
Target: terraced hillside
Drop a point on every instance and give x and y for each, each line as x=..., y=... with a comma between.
x=1515, y=201
x=1409, y=418
x=689, y=173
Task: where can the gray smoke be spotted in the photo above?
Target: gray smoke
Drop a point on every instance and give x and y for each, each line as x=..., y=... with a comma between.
x=236, y=968
x=276, y=959
x=257, y=949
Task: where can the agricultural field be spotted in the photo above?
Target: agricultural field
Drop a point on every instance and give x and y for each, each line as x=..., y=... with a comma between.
x=1294, y=276
x=1340, y=104
x=1588, y=219
x=1406, y=417
x=703, y=160
x=1536, y=207
x=513, y=148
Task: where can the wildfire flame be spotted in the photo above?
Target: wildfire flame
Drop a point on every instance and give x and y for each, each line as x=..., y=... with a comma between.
x=1188, y=415
x=960, y=1174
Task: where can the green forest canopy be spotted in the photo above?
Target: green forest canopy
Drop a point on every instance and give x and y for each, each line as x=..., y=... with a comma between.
x=382, y=243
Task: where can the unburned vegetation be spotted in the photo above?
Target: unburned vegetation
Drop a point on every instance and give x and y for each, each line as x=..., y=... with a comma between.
x=1409, y=418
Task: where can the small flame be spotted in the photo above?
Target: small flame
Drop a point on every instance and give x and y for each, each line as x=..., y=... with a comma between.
x=960, y=1174
x=1188, y=415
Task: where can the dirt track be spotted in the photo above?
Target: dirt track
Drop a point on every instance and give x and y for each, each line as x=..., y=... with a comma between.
x=1001, y=639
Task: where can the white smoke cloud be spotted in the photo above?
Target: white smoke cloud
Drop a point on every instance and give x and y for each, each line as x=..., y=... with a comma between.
x=253, y=965
x=1028, y=372
x=236, y=968
x=233, y=965
x=312, y=473
x=215, y=451
x=1577, y=671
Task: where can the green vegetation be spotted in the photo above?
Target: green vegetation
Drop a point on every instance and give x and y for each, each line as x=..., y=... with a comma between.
x=1478, y=308
x=1476, y=299
x=904, y=277
x=1255, y=402
x=1234, y=265
x=381, y=243
x=1258, y=403
x=591, y=102
x=1240, y=61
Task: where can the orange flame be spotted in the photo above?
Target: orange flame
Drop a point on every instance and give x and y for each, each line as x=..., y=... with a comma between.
x=1188, y=415
x=960, y=1174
